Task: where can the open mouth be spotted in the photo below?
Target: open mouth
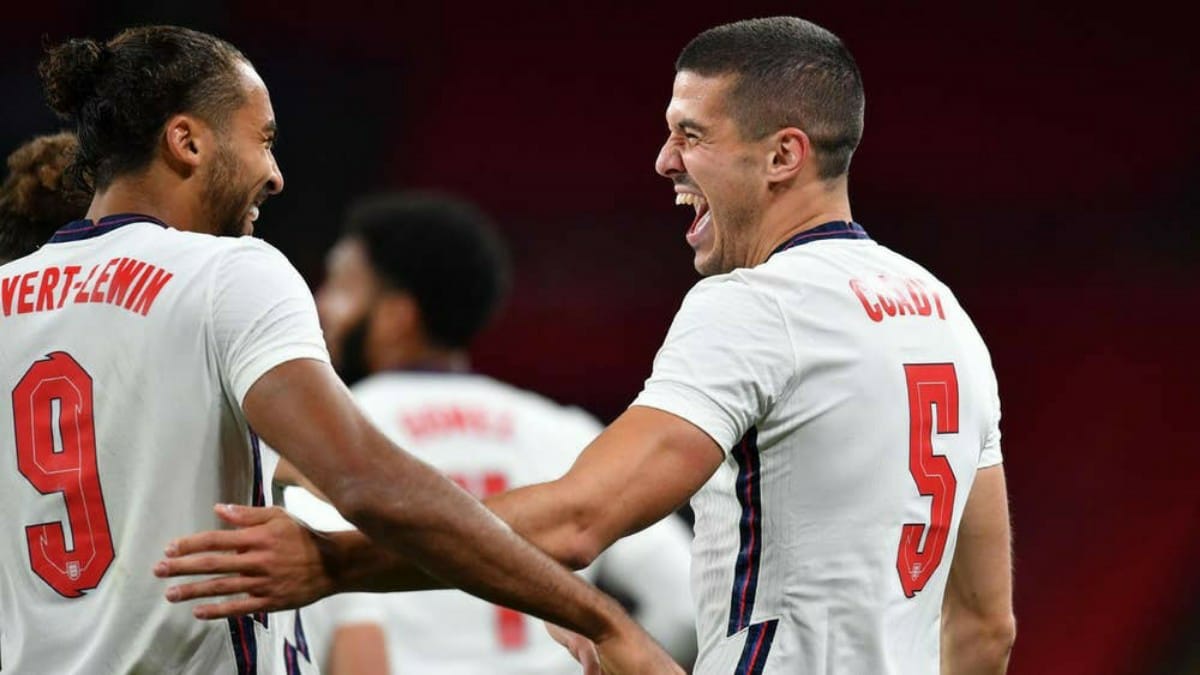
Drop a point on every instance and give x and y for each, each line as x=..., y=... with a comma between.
x=699, y=231
x=700, y=204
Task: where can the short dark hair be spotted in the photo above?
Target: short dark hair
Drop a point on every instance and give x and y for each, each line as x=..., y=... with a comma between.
x=790, y=73
x=120, y=93
x=34, y=201
x=442, y=250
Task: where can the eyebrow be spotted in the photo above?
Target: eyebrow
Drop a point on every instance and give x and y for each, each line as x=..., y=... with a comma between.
x=689, y=123
x=271, y=128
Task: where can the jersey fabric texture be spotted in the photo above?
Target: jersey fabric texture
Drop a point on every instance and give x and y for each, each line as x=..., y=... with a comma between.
x=490, y=437
x=126, y=349
x=813, y=372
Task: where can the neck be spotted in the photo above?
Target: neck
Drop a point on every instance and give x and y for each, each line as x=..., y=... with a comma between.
x=149, y=194
x=423, y=358
x=798, y=209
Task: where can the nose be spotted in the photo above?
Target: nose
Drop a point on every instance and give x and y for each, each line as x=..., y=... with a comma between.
x=275, y=183
x=668, y=162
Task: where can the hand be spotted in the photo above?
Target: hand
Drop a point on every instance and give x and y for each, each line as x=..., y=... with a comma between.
x=580, y=647
x=628, y=652
x=271, y=558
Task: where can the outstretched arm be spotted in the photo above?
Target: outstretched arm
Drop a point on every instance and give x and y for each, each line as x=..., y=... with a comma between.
x=978, y=628
x=301, y=409
x=643, y=467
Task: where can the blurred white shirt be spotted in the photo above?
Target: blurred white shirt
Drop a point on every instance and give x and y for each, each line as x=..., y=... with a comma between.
x=490, y=437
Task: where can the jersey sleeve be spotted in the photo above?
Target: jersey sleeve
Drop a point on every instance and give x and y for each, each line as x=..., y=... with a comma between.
x=262, y=315
x=990, y=454
x=727, y=359
x=314, y=511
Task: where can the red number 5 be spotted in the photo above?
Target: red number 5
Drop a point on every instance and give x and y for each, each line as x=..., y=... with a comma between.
x=70, y=471
x=932, y=387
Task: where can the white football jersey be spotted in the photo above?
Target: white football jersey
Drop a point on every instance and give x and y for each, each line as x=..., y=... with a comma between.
x=490, y=437
x=855, y=401
x=126, y=349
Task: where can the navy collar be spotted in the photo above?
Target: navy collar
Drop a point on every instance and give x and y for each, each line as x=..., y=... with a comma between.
x=86, y=229
x=837, y=229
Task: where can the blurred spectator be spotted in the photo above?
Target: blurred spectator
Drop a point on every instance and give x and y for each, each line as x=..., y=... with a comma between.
x=35, y=200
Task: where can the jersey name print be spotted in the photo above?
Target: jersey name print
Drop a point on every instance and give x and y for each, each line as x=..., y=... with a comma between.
x=882, y=297
x=121, y=282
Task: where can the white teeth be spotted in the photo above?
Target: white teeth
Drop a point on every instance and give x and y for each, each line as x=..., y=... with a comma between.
x=253, y=213
x=689, y=199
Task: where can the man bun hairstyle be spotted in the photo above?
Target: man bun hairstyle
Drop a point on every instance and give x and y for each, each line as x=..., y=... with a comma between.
x=119, y=94
x=443, y=251
x=789, y=73
x=76, y=65
x=34, y=200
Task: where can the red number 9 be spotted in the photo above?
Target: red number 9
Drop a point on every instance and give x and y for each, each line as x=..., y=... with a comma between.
x=70, y=471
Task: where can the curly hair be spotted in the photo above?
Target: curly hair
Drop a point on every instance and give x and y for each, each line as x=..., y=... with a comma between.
x=119, y=94
x=441, y=249
x=34, y=199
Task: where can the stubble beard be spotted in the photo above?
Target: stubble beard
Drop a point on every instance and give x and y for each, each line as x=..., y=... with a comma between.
x=224, y=200
x=733, y=243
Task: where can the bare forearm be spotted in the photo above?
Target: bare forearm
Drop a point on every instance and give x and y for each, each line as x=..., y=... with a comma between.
x=605, y=496
x=354, y=562
x=455, y=540
x=978, y=626
x=407, y=506
x=974, y=646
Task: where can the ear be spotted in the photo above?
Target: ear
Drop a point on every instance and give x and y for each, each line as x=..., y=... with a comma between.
x=398, y=316
x=185, y=141
x=789, y=153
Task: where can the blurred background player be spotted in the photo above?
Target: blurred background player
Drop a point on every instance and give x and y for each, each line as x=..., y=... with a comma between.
x=138, y=355
x=34, y=199
x=411, y=283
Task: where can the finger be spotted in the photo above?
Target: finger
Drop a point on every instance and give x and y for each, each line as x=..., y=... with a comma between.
x=213, y=540
x=212, y=588
x=208, y=563
x=589, y=660
x=232, y=608
x=244, y=516
x=582, y=649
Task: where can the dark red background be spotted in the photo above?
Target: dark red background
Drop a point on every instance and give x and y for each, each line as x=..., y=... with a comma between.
x=1040, y=157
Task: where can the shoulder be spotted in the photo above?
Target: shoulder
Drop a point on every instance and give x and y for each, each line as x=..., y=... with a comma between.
x=531, y=410
x=743, y=296
x=247, y=247
x=249, y=261
x=210, y=250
